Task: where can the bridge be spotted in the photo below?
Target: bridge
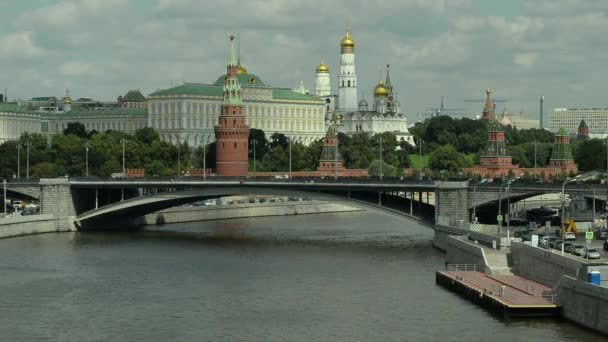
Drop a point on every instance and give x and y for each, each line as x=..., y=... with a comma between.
x=87, y=200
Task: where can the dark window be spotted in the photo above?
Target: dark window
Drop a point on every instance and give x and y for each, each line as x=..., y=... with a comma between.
x=234, y=145
x=349, y=83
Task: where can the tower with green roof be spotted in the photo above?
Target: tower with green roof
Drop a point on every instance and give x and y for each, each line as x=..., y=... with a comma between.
x=561, y=157
x=232, y=131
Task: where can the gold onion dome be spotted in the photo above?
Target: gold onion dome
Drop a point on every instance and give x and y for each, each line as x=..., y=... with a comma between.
x=322, y=67
x=67, y=100
x=347, y=42
x=380, y=90
x=240, y=70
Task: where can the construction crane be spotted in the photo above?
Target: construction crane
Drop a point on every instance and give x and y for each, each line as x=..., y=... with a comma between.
x=442, y=110
x=494, y=101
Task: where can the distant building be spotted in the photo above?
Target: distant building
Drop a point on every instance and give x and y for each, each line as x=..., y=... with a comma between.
x=583, y=131
x=520, y=121
x=570, y=118
x=133, y=99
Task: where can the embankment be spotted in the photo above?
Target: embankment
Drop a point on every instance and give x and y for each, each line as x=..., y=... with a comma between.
x=222, y=212
x=35, y=224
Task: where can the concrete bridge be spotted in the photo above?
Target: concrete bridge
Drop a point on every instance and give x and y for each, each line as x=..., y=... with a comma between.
x=88, y=201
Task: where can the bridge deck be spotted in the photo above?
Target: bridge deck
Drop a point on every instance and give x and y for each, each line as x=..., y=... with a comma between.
x=510, y=295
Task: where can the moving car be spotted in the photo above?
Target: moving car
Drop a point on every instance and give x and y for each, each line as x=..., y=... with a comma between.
x=590, y=253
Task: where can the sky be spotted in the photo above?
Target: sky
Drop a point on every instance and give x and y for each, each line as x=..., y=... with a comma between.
x=521, y=49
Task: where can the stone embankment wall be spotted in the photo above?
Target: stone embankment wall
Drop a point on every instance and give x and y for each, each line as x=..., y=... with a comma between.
x=28, y=225
x=442, y=233
x=460, y=251
x=583, y=303
x=220, y=212
x=544, y=266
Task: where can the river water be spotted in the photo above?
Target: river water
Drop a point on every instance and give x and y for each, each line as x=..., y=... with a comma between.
x=363, y=276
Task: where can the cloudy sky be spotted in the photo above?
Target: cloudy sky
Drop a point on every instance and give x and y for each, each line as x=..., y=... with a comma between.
x=521, y=49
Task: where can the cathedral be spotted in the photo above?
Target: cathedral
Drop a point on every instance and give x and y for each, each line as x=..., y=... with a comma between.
x=357, y=116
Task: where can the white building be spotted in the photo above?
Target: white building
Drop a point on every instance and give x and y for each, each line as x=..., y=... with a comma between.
x=570, y=118
x=357, y=116
x=190, y=111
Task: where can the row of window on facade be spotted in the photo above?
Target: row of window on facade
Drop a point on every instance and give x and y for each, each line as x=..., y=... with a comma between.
x=214, y=109
x=172, y=123
x=101, y=126
x=348, y=84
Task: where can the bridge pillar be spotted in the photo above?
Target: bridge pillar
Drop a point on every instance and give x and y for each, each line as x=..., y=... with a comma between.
x=451, y=203
x=56, y=199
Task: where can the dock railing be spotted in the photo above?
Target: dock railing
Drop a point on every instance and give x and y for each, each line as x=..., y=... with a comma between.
x=461, y=268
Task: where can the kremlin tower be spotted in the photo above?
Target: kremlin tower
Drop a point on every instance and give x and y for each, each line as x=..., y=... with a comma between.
x=347, y=80
x=232, y=132
x=488, y=109
x=322, y=81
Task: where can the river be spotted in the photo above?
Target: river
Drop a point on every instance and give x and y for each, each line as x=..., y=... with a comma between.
x=363, y=276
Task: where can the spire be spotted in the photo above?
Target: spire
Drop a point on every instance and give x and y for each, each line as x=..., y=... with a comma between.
x=388, y=77
x=232, y=60
x=488, y=109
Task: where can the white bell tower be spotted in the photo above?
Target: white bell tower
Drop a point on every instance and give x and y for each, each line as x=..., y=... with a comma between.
x=347, y=79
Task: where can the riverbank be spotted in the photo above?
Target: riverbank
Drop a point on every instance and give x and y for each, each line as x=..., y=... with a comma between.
x=34, y=224
x=580, y=301
x=231, y=211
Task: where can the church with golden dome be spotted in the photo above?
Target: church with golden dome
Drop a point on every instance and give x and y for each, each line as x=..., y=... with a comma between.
x=384, y=114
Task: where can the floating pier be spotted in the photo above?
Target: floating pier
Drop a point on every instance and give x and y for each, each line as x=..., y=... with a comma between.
x=506, y=294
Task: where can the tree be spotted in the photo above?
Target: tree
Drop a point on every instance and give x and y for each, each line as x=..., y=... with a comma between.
x=590, y=155
x=147, y=135
x=447, y=158
x=261, y=145
x=77, y=129
x=47, y=170
x=388, y=170
x=278, y=139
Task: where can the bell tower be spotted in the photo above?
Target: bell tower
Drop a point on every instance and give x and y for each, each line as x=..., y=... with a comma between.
x=232, y=131
x=347, y=79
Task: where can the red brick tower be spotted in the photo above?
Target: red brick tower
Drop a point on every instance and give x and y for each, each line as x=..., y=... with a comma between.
x=232, y=132
x=488, y=109
x=331, y=162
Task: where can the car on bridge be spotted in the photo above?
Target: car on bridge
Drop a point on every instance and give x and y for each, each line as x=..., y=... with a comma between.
x=590, y=253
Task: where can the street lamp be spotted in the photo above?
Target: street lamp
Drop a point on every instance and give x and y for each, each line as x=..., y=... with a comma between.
x=254, y=142
x=4, y=196
x=205, y=158
x=381, y=159
x=27, y=164
x=420, y=157
x=124, y=169
x=86, y=158
x=179, y=145
x=442, y=172
x=18, y=160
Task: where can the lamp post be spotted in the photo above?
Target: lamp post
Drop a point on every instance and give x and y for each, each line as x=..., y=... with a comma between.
x=86, y=159
x=420, y=157
x=4, y=196
x=568, y=180
x=179, y=171
x=290, y=158
x=27, y=160
x=18, y=160
x=254, y=142
x=535, y=167
x=205, y=158
x=124, y=169
x=381, y=159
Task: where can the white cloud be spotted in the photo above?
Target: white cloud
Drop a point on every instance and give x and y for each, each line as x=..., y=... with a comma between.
x=526, y=59
x=19, y=44
x=75, y=68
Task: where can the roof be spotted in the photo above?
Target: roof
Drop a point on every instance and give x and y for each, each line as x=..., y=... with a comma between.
x=583, y=124
x=44, y=98
x=217, y=91
x=97, y=112
x=246, y=80
x=14, y=108
x=134, y=96
x=192, y=89
x=562, y=132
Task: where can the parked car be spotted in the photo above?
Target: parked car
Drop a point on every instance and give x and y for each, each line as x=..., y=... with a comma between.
x=606, y=245
x=590, y=253
x=578, y=249
x=552, y=241
x=543, y=241
x=568, y=247
x=558, y=244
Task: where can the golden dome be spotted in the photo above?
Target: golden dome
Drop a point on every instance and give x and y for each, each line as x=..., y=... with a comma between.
x=322, y=67
x=240, y=70
x=380, y=90
x=67, y=100
x=347, y=42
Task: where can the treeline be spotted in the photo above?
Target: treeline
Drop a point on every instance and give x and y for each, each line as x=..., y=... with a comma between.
x=65, y=154
x=453, y=144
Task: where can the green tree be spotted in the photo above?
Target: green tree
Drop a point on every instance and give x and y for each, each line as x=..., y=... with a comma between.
x=591, y=155
x=147, y=135
x=278, y=139
x=77, y=129
x=47, y=170
x=388, y=170
x=447, y=158
x=261, y=145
